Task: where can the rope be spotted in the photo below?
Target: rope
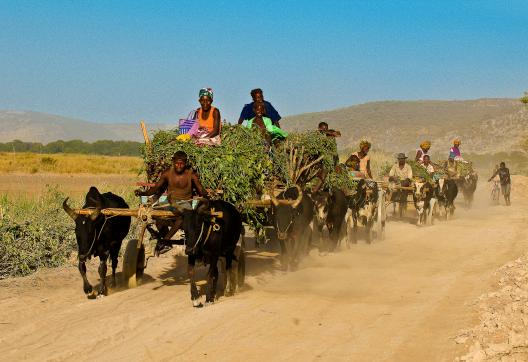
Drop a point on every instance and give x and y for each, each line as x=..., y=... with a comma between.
x=206, y=237
x=97, y=236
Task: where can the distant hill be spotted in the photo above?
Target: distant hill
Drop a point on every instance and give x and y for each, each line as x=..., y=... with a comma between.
x=43, y=127
x=484, y=125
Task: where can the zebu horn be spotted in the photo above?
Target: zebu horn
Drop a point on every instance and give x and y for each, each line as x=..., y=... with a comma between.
x=69, y=210
x=298, y=200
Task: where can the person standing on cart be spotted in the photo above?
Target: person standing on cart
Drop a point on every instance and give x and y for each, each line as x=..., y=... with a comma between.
x=332, y=134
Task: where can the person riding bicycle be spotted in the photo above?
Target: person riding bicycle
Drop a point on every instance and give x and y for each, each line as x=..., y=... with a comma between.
x=505, y=181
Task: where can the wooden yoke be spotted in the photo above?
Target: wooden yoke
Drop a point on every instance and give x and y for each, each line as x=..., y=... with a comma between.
x=135, y=212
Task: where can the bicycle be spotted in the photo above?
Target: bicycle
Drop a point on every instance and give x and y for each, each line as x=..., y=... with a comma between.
x=495, y=192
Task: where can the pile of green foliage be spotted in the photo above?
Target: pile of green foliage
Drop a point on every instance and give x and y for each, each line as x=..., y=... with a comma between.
x=238, y=166
x=242, y=166
x=34, y=234
x=464, y=169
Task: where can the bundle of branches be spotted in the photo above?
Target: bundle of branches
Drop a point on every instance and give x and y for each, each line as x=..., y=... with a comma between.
x=417, y=169
x=303, y=156
x=463, y=168
x=238, y=166
x=341, y=181
x=242, y=166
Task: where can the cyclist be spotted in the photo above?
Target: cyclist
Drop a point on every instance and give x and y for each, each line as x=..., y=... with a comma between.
x=505, y=181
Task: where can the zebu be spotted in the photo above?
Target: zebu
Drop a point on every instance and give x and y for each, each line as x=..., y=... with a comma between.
x=446, y=191
x=99, y=236
x=363, y=206
x=292, y=214
x=468, y=185
x=330, y=211
x=207, y=238
x=423, y=201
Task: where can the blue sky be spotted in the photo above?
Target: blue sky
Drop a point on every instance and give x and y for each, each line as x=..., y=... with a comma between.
x=121, y=61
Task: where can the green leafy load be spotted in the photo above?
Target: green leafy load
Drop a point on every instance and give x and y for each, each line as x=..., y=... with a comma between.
x=241, y=166
x=238, y=166
x=418, y=170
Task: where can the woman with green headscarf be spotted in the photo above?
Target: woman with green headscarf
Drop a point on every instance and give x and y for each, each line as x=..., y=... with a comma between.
x=208, y=119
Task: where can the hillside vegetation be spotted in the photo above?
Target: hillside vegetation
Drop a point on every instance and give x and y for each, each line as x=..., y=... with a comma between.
x=484, y=125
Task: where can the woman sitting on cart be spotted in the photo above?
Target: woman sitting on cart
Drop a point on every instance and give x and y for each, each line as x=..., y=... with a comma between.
x=179, y=182
x=208, y=120
x=269, y=131
x=364, y=159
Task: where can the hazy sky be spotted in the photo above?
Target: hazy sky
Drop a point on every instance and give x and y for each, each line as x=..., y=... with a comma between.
x=121, y=61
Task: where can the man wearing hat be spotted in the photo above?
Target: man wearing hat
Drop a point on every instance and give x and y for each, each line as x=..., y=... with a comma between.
x=401, y=172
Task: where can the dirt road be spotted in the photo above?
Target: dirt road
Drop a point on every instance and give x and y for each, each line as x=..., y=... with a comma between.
x=401, y=299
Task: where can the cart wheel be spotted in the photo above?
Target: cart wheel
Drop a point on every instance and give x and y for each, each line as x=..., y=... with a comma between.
x=133, y=263
x=241, y=268
x=380, y=219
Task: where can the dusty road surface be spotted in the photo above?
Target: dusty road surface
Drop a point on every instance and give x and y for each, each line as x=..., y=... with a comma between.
x=401, y=299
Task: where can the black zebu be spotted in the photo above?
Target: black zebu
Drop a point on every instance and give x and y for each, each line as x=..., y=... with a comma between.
x=468, y=185
x=292, y=213
x=363, y=207
x=98, y=235
x=330, y=211
x=207, y=238
x=446, y=191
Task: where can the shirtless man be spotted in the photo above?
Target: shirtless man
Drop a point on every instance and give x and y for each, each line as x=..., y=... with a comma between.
x=179, y=182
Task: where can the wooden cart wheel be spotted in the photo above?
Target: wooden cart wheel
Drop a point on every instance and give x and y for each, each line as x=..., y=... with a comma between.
x=241, y=268
x=133, y=263
x=380, y=220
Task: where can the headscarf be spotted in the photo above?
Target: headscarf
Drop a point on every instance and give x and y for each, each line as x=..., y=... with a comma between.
x=425, y=144
x=364, y=143
x=208, y=92
x=456, y=142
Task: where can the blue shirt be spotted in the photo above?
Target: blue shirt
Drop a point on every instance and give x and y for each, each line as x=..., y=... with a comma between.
x=271, y=113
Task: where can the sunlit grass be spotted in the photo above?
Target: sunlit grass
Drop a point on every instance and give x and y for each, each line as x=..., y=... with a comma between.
x=69, y=163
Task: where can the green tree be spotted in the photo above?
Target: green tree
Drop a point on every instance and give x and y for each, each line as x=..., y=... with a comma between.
x=524, y=99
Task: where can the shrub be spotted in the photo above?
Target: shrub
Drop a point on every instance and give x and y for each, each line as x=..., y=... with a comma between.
x=34, y=234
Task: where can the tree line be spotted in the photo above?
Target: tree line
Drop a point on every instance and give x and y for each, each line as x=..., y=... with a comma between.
x=104, y=147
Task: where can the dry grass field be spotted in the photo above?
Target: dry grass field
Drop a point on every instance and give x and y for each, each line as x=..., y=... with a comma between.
x=34, y=163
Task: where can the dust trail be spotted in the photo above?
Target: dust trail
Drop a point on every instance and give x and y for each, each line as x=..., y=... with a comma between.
x=400, y=299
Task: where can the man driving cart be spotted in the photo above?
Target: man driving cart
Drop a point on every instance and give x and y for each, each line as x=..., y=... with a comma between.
x=181, y=183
